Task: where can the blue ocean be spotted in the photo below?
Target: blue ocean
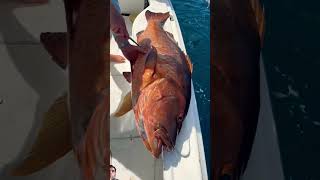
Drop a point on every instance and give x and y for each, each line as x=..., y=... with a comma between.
x=291, y=55
x=194, y=20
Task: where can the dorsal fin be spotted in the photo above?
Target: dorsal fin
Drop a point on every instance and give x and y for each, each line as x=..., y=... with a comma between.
x=258, y=11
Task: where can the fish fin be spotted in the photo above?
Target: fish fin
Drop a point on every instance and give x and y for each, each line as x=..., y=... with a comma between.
x=127, y=76
x=92, y=148
x=258, y=10
x=56, y=45
x=189, y=63
x=139, y=33
x=149, y=73
x=53, y=140
x=159, y=17
x=115, y=58
x=170, y=35
x=151, y=60
x=125, y=106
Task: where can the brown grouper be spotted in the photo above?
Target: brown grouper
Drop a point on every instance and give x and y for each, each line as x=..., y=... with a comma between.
x=237, y=40
x=161, y=86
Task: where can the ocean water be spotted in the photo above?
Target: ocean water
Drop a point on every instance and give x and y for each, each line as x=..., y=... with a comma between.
x=194, y=20
x=291, y=55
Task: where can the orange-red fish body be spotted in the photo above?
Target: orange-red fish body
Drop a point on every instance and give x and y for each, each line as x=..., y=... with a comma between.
x=161, y=86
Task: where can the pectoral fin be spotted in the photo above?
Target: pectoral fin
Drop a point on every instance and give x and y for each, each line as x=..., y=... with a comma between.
x=149, y=73
x=52, y=143
x=125, y=105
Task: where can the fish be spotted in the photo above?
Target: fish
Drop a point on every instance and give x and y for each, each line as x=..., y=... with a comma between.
x=160, y=86
x=238, y=33
x=79, y=120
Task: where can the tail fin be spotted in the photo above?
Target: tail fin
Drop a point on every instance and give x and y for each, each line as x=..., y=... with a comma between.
x=158, y=17
x=92, y=149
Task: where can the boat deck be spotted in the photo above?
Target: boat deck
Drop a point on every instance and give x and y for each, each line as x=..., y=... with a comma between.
x=30, y=82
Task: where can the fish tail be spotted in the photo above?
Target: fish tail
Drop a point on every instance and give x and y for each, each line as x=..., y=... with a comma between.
x=92, y=150
x=158, y=17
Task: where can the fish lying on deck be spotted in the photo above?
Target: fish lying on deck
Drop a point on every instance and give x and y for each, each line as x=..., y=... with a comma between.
x=78, y=120
x=238, y=28
x=161, y=86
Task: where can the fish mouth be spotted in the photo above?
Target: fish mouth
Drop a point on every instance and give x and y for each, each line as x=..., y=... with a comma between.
x=162, y=141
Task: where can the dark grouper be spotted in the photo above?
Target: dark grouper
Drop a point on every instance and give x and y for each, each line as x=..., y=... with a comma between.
x=161, y=86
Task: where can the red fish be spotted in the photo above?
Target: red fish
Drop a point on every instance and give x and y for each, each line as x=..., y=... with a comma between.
x=237, y=40
x=82, y=117
x=161, y=86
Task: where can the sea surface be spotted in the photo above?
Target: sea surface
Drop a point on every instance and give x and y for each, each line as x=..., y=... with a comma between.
x=194, y=20
x=292, y=59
